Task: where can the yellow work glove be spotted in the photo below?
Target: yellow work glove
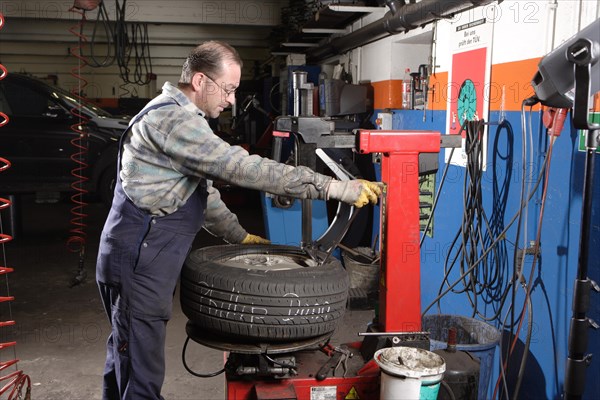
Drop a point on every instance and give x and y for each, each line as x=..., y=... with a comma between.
x=357, y=192
x=255, y=239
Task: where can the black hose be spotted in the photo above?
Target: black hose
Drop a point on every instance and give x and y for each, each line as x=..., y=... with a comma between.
x=209, y=375
x=448, y=389
x=525, y=349
x=103, y=19
x=132, y=50
x=487, y=250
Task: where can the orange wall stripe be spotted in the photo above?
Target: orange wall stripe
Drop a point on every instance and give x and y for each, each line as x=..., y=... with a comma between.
x=438, y=91
x=514, y=78
x=511, y=80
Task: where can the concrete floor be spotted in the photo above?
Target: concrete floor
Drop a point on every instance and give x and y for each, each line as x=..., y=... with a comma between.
x=61, y=330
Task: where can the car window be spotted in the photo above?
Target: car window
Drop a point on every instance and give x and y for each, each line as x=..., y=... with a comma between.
x=26, y=101
x=73, y=102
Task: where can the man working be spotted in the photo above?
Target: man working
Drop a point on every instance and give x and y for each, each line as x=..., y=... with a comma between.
x=164, y=196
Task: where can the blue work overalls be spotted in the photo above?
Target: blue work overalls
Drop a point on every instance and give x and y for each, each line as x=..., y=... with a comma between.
x=139, y=261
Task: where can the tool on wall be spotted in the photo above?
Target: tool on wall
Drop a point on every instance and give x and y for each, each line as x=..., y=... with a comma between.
x=415, y=87
x=420, y=87
x=16, y=380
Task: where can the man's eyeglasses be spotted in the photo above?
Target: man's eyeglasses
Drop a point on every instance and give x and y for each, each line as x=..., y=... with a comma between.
x=227, y=92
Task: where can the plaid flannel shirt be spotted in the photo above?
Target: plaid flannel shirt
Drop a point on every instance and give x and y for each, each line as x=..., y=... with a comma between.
x=172, y=148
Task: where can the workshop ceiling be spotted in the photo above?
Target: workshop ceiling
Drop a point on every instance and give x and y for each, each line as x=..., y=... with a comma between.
x=39, y=35
x=256, y=27
x=41, y=29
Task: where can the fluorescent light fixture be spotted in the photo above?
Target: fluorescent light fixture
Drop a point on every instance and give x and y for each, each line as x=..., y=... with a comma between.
x=353, y=9
x=322, y=30
x=299, y=44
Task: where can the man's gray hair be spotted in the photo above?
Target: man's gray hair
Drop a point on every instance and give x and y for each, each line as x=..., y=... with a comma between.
x=208, y=58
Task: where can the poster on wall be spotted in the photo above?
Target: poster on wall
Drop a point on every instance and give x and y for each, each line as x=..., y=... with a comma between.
x=469, y=81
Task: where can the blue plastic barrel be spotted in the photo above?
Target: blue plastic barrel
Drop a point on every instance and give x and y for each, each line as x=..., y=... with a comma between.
x=477, y=337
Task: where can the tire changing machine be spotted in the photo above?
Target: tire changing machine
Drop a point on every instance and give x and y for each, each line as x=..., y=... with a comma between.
x=312, y=369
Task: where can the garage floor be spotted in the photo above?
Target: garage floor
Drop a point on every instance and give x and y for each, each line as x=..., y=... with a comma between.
x=61, y=330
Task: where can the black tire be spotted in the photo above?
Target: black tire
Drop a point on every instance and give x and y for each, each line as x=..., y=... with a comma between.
x=265, y=303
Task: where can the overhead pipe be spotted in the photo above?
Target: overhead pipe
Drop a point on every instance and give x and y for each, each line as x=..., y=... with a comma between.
x=402, y=17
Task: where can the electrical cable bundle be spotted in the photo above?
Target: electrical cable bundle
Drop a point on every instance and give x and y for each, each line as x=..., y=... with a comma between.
x=16, y=380
x=132, y=48
x=128, y=45
x=103, y=19
x=474, y=249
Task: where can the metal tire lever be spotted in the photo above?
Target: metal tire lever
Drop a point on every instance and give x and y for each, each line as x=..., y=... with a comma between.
x=339, y=239
x=334, y=234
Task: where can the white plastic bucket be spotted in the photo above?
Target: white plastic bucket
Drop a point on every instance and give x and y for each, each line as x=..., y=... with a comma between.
x=409, y=373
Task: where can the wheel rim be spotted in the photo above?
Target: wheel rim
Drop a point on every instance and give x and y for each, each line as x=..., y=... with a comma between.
x=269, y=262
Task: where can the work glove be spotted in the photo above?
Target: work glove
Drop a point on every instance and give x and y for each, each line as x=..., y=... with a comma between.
x=358, y=192
x=255, y=239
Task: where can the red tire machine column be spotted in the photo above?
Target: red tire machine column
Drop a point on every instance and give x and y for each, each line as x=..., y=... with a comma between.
x=400, y=283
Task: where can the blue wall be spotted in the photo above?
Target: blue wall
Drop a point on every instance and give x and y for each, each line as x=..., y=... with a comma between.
x=556, y=268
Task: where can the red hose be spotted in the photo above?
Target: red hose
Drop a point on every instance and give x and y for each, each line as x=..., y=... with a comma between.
x=3, y=118
x=77, y=239
x=16, y=380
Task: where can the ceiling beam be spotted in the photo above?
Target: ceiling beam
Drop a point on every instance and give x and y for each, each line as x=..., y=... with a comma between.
x=232, y=12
